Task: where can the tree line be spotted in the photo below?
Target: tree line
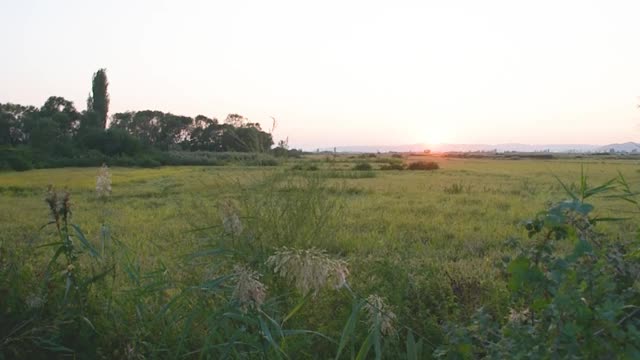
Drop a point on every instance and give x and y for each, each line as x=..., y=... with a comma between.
x=57, y=130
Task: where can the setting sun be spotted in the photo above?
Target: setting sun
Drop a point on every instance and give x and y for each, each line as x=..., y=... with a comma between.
x=438, y=135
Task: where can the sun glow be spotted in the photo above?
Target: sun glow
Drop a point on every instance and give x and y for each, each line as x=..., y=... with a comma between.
x=438, y=135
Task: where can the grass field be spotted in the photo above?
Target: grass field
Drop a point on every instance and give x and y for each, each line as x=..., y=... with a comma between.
x=425, y=241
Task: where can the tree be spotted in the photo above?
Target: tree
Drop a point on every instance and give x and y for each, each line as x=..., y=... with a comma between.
x=63, y=113
x=99, y=102
x=12, y=123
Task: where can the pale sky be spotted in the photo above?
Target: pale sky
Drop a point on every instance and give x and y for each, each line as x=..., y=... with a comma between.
x=344, y=72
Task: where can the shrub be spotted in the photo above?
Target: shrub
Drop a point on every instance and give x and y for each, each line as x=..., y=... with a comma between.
x=573, y=292
x=19, y=163
x=305, y=167
x=394, y=166
x=363, y=166
x=18, y=159
x=423, y=165
x=148, y=163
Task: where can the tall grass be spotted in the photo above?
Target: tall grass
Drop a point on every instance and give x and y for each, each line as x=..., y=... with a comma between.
x=269, y=275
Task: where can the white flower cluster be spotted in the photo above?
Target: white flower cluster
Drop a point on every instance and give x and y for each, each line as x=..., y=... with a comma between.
x=230, y=219
x=103, y=182
x=249, y=292
x=516, y=316
x=310, y=270
x=380, y=315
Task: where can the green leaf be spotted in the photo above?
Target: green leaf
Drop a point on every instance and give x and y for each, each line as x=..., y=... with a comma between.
x=84, y=241
x=349, y=327
x=89, y=323
x=296, y=308
x=98, y=277
x=412, y=352
x=267, y=335
x=566, y=189
x=50, y=244
x=364, y=349
x=67, y=287
x=293, y=332
x=523, y=275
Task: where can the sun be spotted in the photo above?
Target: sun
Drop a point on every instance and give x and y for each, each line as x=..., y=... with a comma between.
x=437, y=135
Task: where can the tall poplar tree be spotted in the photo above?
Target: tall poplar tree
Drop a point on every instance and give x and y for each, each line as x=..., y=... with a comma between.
x=99, y=102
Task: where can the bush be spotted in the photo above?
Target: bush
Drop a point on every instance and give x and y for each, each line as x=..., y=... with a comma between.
x=363, y=166
x=423, y=165
x=19, y=163
x=18, y=159
x=305, y=167
x=394, y=166
x=572, y=290
x=148, y=163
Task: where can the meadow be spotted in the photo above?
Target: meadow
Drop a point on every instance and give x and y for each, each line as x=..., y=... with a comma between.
x=172, y=244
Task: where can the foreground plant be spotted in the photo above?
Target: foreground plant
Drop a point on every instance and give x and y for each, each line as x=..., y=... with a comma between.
x=574, y=292
x=309, y=270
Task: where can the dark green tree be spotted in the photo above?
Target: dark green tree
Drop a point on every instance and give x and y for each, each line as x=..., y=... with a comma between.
x=98, y=103
x=12, y=123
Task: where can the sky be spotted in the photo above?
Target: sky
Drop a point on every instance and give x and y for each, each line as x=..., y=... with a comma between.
x=344, y=72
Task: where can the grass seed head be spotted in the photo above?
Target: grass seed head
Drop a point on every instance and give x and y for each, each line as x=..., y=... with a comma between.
x=230, y=218
x=518, y=316
x=249, y=292
x=310, y=270
x=379, y=314
x=103, y=182
x=59, y=204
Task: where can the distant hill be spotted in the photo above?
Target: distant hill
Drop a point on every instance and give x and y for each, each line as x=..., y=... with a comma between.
x=473, y=147
x=624, y=147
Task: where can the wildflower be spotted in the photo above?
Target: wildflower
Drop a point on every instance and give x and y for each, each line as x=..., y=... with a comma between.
x=380, y=315
x=230, y=219
x=249, y=292
x=310, y=270
x=59, y=205
x=35, y=301
x=516, y=316
x=103, y=182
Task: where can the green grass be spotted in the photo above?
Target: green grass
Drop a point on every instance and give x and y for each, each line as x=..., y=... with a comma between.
x=426, y=241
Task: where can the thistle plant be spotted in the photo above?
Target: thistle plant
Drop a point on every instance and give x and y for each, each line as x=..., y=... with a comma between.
x=310, y=270
x=59, y=203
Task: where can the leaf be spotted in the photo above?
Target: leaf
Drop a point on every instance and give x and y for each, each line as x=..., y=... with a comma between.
x=412, y=352
x=523, y=275
x=295, y=309
x=267, y=335
x=364, y=349
x=377, y=342
x=209, y=252
x=50, y=244
x=89, y=323
x=599, y=189
x=566, y=189
x=349, y=327
x=45, y=225
x=67, y=286
x=215, y=284
x=308, y=332
x=98, y=277
x=84, y=241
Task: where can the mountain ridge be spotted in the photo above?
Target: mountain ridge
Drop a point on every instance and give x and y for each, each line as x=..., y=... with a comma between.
x=505, y=147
